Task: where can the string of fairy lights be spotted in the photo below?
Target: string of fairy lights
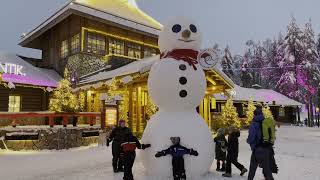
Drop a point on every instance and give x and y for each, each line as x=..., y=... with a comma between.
x=269, y=67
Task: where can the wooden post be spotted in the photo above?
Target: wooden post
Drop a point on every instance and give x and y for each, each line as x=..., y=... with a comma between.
x=65, y=121
x=130, y=115
x=51, y=121
x=14, y=122
x=91, y=120
x=103, y=115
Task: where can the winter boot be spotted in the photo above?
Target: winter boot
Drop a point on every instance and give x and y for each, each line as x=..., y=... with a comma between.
x=243, y=171
x=226, y=175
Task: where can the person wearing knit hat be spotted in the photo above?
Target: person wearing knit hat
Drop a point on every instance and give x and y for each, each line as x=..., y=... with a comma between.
x=117, y=137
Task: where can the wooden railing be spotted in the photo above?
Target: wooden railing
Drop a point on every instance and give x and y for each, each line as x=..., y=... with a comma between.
x=15, y=117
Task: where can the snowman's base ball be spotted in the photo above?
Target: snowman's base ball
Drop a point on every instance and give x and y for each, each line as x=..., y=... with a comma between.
x=194, y=133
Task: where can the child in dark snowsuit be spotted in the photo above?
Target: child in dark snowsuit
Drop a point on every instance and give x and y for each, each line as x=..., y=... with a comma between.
x=233, y=151
x=221, y=149
x=177, y=151
x=129, y=146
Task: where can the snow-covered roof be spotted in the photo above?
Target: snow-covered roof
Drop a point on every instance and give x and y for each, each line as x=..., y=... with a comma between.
x=140, y=66
x=31, y=75
x=259, y=95
x=117, y=11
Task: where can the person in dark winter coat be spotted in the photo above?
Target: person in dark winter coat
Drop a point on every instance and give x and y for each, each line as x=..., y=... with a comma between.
x=221, y=149
x=233, y=152
x=177, y=152
x=116, y=137
x=260, y=154
x=128, y=147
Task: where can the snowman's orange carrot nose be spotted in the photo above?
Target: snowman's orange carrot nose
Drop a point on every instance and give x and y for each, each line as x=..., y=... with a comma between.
x=186, y=34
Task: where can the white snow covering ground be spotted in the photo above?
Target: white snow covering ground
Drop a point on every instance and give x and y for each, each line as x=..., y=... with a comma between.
x=297, y=154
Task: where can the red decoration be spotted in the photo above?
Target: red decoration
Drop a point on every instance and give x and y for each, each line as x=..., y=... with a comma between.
x=188, y=55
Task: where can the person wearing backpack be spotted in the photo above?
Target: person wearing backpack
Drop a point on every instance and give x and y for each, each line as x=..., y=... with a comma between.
x=221, y=150
x=260, y=154
x=269, y=137
x=129, y=145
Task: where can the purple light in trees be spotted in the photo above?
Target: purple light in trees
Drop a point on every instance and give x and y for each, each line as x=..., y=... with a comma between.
x=28, y=80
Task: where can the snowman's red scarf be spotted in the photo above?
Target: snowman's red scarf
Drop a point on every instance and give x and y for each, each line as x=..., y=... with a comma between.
x=187, y=55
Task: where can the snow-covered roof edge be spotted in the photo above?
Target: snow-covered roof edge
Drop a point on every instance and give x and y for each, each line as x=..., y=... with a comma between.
x=64, y=12
x=259, y=95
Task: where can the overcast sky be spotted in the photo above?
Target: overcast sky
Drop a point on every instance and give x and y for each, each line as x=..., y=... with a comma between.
x=231, y=22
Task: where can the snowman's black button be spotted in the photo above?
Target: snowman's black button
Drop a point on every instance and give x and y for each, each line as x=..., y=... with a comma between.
x=182, y=67
x=183, y=93
x=183, y=80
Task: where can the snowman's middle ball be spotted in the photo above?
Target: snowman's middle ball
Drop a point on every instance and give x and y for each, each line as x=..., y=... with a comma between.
x=175, y=85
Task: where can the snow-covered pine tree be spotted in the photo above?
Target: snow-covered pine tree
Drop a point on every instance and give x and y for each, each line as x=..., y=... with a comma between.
x=227, y=63
x=257, y=63
x=229, y=115
x=63, y=99
x=309, y=74
x=293, y=56
x=246, y=76
x=274, y=54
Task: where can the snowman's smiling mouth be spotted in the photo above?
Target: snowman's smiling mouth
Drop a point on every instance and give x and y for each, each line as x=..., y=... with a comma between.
x=185, y=40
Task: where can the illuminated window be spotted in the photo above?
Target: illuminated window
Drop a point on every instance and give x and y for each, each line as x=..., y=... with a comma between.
x=96, y=44
x=148, y=52
x=14, y=103
x=116, y=47
x=134, y=50
x=64, y=50
x=75, y=44
x=111, y=116
x=282, y=112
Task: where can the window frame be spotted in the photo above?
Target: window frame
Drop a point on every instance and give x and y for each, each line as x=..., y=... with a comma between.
x=96, y=43
x=20, y=102
x=112, y=42
x=134, y=48
x=64, y=49
x=147, y=52
x=75, y=46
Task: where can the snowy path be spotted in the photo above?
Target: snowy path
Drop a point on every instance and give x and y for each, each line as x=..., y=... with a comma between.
x=298, y=155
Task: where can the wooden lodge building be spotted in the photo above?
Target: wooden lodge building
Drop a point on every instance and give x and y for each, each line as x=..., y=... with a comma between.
x=109, y=47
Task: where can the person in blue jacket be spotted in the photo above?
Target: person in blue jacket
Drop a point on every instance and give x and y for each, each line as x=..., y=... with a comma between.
x=260, y=155
x=177, y=152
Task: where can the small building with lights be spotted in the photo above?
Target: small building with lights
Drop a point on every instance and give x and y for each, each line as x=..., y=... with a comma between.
x=284, y=109
x=24, y=87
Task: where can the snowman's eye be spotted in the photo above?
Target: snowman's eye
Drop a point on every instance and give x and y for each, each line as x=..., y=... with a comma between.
x=193, y=28
x=176, y=28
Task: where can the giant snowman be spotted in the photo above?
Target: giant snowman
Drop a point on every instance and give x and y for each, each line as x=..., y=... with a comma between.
x=177, y=85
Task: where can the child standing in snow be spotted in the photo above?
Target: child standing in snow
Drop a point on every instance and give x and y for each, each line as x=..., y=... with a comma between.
x=177, y=152
x=233, y=151
x=221, y=149
x=129, y=146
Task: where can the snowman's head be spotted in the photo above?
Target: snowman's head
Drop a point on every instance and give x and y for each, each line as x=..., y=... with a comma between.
x=180, y=33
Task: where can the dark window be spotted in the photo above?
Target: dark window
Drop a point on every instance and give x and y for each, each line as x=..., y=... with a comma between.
x=75, y=44
x=148, y=52
x=134, y=50
x=96, y=44
x=64, y=49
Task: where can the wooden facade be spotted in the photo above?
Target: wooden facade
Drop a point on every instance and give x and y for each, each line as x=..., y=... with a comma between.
x=32, y=98
x=77, y=24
